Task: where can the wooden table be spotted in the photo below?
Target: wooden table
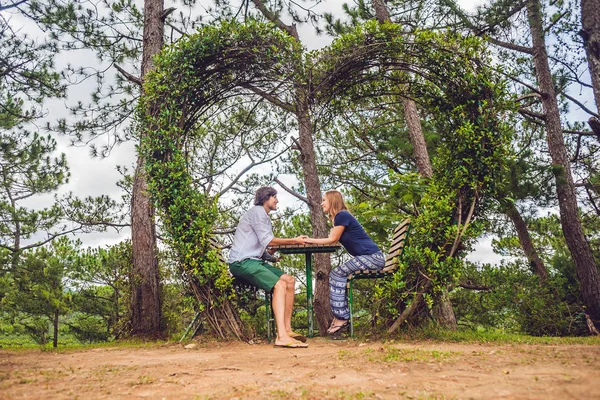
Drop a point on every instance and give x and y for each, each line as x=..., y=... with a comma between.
x=308, y=250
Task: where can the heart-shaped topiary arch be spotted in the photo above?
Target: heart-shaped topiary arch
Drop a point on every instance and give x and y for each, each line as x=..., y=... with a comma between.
x=445, y=72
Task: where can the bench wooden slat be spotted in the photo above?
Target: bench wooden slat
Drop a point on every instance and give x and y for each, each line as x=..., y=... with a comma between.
x=402, y=226
x=398, y=246
x=399, y=234
x=370, y=274
x=391, y=256
x=391, y=262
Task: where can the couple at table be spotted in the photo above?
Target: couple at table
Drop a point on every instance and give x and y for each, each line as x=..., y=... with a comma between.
x=254, y=235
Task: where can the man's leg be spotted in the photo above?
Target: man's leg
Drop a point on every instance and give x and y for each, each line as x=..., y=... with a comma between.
x=266, y=277
x=290, y=291
x=279, y=312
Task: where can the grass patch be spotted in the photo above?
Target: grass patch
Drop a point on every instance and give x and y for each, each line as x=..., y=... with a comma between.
x=490, y=336
x=143, y=380
x=394, y=354
x=65, y=347
x=390, y=354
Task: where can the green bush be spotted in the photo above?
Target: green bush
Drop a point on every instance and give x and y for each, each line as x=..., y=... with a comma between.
x=518, y=303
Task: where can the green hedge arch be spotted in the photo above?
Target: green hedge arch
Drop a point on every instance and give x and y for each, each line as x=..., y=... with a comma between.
x=447, y=73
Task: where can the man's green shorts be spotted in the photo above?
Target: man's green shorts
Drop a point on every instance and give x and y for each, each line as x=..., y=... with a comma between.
x=258, y=273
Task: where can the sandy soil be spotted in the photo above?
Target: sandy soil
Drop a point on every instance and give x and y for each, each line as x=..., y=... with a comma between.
x=326, y=370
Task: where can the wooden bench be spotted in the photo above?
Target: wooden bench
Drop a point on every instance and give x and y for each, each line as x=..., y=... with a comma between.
x=392, y=260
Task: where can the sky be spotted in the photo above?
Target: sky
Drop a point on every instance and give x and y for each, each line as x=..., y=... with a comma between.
x=96, y=176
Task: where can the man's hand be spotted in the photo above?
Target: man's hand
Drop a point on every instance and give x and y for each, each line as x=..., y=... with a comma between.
x=301, y=239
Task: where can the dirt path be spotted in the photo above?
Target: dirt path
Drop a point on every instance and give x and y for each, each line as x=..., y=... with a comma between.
x=326, y=370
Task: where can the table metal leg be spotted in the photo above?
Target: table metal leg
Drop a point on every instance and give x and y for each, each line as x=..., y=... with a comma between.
x=309, y=293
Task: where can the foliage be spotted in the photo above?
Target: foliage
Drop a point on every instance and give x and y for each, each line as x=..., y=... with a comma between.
x=471, y=103
x=170, y=111
x=517, y=302
x=38, y=295
x=30, y=171
x=100, y=285
x=27, y=75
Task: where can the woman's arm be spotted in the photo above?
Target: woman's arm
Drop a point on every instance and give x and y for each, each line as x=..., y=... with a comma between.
x=297, y=240
x=334, y=236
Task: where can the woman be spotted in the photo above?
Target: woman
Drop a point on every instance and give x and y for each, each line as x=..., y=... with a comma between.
x=367, y=256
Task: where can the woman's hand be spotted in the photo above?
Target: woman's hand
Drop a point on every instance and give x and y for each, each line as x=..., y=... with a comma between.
x=301, y=239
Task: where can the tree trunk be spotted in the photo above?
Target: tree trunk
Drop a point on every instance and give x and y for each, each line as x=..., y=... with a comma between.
x=322, y=264
x=590, y=32
x=523, y=233
x=222, y=319
x=415, y=132
x=443, y=314
x=442, y=311
x=145, y=297
x=55, y=325
x=585, y=265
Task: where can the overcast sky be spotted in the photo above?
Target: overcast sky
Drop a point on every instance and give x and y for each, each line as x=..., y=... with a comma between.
x=96, y=176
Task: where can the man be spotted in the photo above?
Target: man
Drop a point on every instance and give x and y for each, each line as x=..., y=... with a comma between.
x=253, y=235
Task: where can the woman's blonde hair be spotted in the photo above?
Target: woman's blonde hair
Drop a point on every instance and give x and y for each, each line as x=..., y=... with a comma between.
x=336, y=203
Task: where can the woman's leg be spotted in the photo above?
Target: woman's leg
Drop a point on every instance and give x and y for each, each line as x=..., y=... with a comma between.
x=338, y=277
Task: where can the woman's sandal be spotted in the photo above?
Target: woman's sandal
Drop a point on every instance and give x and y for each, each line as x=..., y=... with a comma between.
x=336, y=329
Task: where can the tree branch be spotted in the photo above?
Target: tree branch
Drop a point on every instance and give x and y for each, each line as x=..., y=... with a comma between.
x=590, y=325
x=580, y=104
x=129, y=76
x=18, y=3
x=410, y=309
x=580, y=133
x=528, y=86
x=556, y=21
x=176, y=29
x=269, y=97
x=470, y=286
x=249, y=167
x=461, y=232
x=290, y=29
x=292, y=192
x=526, y=112
x=166, y=13
x=528, y=96
x=510, y=46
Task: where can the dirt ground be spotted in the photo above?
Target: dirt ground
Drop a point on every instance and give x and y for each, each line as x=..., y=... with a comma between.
x=326, y=370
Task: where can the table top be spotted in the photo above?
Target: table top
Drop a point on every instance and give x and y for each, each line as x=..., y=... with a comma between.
x=306, y=248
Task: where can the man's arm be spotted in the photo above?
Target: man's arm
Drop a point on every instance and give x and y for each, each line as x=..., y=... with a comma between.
x=297, y=240
x=268, y=256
